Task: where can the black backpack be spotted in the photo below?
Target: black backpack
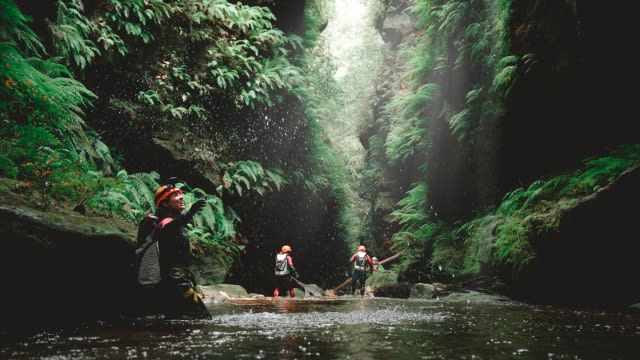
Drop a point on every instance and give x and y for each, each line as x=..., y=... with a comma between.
x=147, y=252
x=145, y=227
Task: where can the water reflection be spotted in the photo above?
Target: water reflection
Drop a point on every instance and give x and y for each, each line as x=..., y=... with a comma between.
x=348, y=328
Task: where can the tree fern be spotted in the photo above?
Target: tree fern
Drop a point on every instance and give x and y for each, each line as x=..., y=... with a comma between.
x=220, y=10
x=506, y=71
x=548, y=190
x=275, y=177
x=411, y=211
x=131, y=196
x=140, y=188
x=15, y=31
x=60, y=99
x=213, y=228
x=600, y=171
x=70, y=34
x=460, y=123
x=512, y=202
x=405, y=138
x=248, y=175
x=416, y=228
x=510, y=68
x=512, y=244
x=423, y=96
x=131, y=16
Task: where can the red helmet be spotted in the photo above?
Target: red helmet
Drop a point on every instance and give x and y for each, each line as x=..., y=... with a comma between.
x=164, y=192
x=286, y=249
x=361, y=248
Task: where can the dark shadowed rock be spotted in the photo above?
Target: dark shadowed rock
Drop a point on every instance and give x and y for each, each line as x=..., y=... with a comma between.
x=400, y=291
x=58, y=266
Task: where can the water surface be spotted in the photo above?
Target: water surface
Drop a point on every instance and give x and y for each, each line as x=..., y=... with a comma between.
x=347, y=328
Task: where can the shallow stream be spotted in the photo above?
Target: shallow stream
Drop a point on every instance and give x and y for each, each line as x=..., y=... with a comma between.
x=346, y=327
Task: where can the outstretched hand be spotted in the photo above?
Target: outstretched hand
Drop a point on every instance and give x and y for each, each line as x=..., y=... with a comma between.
x=197, y=206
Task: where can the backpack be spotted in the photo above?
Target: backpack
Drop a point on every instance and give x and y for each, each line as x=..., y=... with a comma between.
x=281, y=265
x=361, y=261
x=147, y=252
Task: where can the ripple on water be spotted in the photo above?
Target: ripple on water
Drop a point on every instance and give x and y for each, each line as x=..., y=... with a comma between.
x=293, y=322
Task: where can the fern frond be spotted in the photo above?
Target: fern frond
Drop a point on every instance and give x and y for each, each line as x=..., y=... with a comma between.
x=15, y=31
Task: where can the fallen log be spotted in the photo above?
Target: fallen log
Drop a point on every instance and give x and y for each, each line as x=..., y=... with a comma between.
x=391, y=258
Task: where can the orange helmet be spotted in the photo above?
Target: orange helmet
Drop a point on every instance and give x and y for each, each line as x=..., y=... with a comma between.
x=361, y=248
x=286, y=249
x=164, y=192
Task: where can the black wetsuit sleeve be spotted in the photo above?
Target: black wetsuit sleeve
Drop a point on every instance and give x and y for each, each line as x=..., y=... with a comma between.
x=292, y=269
x=184, y=218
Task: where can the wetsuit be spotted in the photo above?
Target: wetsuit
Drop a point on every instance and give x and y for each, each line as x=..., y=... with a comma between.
x=178, y=284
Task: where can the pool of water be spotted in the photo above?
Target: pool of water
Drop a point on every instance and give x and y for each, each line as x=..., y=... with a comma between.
x=346, y=328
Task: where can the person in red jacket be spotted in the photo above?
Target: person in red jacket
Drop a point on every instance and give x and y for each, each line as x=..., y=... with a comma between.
x=283, y=273
x=361, y=263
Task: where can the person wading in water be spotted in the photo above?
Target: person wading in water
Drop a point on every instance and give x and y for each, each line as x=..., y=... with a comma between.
x=361, y=263
x=284, y=270
x=178, y=284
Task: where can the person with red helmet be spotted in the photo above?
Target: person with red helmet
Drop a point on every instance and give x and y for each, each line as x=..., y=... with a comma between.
x=361, y=263
x=284, y=271
x=376, y=264
x=177, y=284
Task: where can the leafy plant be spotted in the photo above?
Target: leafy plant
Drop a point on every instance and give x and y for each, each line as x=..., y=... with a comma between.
x=512, y=244
x=213, y=229
x=42, y=112
x=246, y=60
x=133, y=16
x=600, y=171
x=248, y=175
x=503, y=236
x=70, y=34
x=411, y=213
x=130, y=197
x=15, y=32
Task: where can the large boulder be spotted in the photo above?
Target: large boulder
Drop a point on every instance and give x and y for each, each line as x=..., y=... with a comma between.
x=77, y=266
x=380, y=278
x=593, y=242
x=422, y=291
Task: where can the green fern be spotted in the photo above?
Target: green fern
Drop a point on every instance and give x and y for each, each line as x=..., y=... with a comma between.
x=70, y=34
x=15, y=31
x=460, y=123
x=132, y=16
x=8, y=167
x=600, y=171
x=405, y=138
x=506, y=72
x=512, y=244
x=412, y=208
x=213, y=228
x=249, y=175
x=423, y=96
